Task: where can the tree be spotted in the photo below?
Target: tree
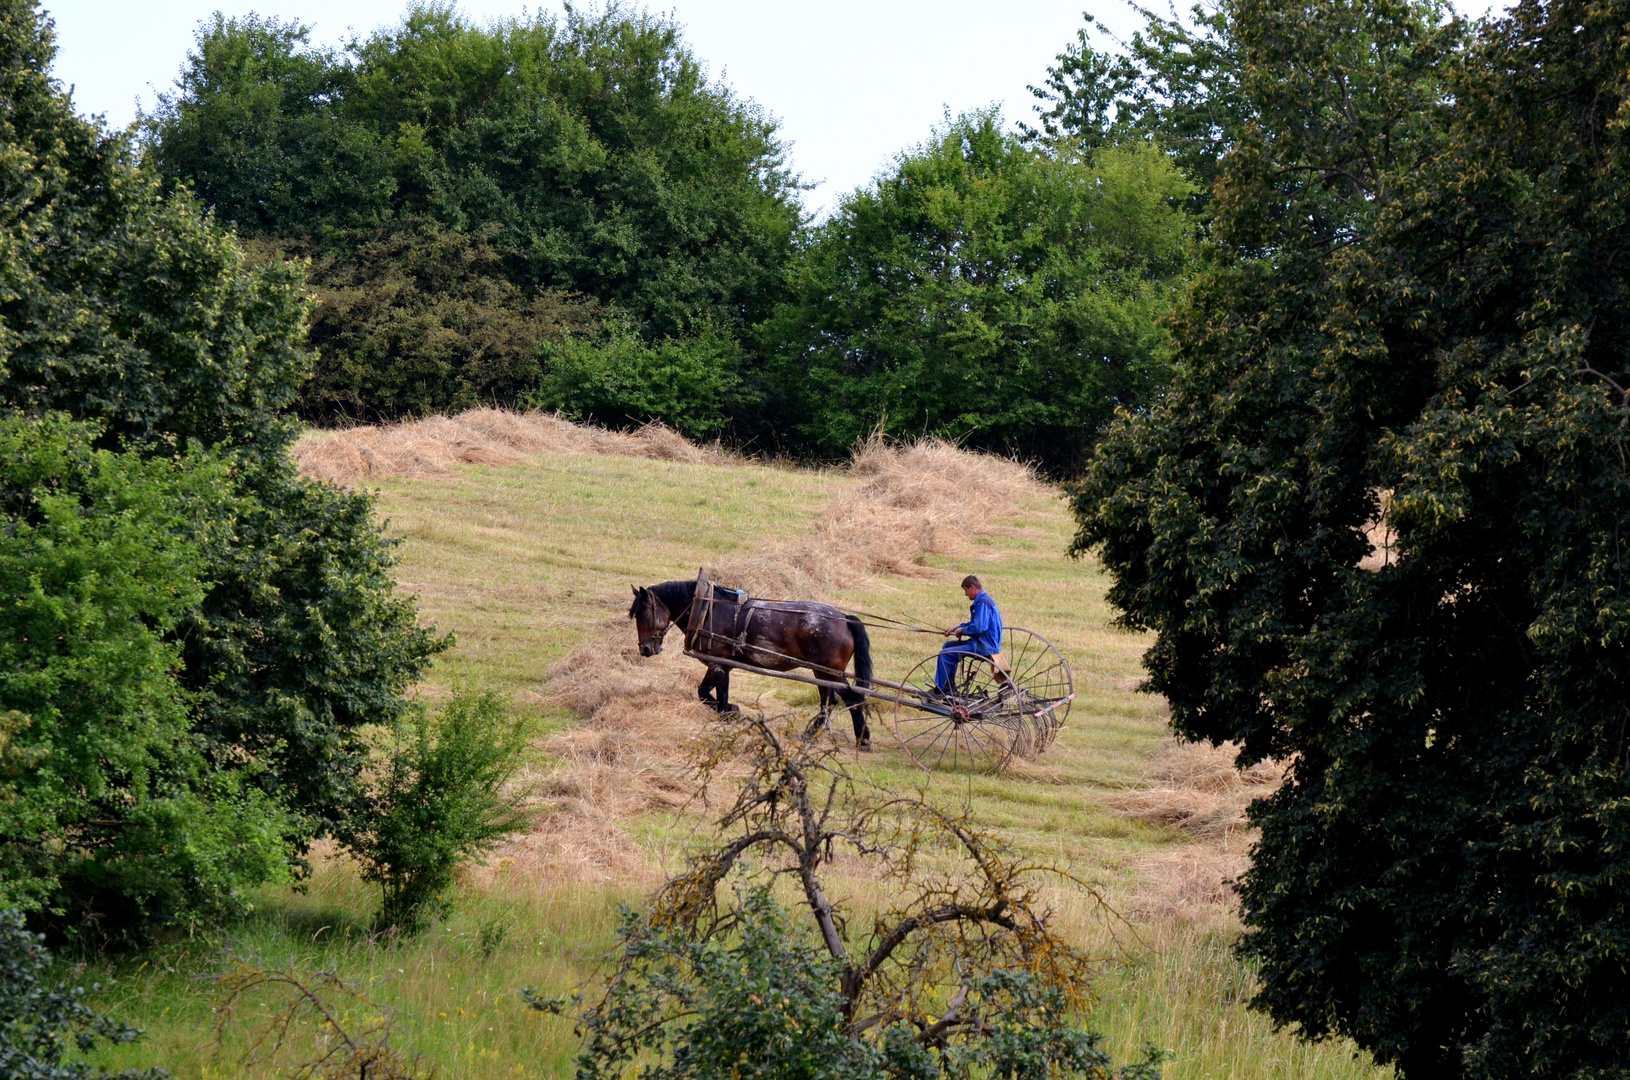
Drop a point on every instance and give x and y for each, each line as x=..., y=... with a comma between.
x=960, y=974
x=136, y=312
x=586, y=156
x=110, y=805
x=1376, y=526
x=984, y=290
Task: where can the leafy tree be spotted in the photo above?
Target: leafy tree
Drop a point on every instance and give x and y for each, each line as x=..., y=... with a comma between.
x=987, y=290
x=1376, y=525
x=587, y=156
x=1174, y=84
x=40, y=1029
x=438, y=799
x=136, y=312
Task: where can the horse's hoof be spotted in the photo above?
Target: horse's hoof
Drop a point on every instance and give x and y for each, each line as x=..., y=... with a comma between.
x=729, y=710
x=864, y=746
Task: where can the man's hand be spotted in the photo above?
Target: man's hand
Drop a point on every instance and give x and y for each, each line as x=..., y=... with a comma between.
x=953, y=630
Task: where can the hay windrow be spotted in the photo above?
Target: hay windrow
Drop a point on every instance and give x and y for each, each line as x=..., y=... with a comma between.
x=913, y=500
x=485, y=436
x=1195, y=787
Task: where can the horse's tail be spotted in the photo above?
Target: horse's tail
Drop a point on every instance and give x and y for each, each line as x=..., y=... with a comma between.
x=863, y=650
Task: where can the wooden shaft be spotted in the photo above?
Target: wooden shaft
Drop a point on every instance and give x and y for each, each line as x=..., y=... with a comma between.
x=915, y=703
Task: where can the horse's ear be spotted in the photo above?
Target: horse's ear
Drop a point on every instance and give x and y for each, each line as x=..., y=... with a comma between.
x=636, y=589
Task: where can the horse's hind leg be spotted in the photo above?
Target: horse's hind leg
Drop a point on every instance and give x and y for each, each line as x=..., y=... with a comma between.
x=857, y=714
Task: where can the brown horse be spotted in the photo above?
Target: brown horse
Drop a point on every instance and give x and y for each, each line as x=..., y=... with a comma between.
x=781, y=636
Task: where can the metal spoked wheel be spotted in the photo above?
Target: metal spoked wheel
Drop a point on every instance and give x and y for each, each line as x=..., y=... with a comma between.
x=990, y=714
x=1043, y=678
x=976, y=727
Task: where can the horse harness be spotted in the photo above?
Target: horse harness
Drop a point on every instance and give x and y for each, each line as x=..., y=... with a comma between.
x=740, y=622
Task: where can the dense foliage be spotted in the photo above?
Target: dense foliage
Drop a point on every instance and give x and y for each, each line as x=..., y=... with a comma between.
x=615, y=378
x=1377, y=524
x=438, y=797
x=43, y=1029
x=413, y=321
x=983, y=289
x=114, y=804
x=586, y=155
x=134, y=312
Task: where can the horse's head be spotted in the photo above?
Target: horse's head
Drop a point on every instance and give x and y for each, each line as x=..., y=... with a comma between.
x=651, y=620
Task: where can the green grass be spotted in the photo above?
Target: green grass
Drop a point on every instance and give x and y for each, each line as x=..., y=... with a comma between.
x=526, y=562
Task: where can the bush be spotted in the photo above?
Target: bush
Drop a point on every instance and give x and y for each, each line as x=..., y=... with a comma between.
x=39, y=1028
x=116, y=814
x=418, y=320
x=437, y=800
x=691, y=384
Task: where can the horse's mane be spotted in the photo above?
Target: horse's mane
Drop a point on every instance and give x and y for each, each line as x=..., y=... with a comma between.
x=675, y=596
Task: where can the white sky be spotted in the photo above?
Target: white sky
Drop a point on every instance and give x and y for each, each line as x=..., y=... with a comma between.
x=853, y=81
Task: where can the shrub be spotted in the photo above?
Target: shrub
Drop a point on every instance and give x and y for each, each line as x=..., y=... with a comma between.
x=437, y=800
x=39, y=1028
x=419, y=319
x=691, y=383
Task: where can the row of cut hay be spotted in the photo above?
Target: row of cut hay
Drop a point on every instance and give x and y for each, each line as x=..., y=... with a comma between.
x=1197, y=788
x=483, y=436
x=912, y=500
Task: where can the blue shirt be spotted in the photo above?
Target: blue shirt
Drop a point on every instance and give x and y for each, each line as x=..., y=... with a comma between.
x=984, y=626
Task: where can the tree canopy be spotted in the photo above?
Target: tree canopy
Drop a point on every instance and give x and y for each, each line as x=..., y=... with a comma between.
x=1375, y=524
x=983, y=289
x=591, y=152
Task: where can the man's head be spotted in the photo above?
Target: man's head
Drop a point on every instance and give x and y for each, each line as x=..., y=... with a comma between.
x=971, y=587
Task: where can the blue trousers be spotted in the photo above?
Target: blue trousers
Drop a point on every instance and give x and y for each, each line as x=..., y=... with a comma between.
x=951, y=654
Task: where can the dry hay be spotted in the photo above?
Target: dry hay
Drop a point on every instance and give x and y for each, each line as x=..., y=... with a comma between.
x=432, y=446
x=629, y=755
x=913, y=499
x=1195, y=787
x=632, y=753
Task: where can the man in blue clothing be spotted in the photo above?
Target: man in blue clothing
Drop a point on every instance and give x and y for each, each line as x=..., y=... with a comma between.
x=982, y=631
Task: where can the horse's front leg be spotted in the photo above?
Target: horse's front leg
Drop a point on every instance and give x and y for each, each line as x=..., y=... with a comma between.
x=822, y=721
x=723, y=683
x=707, y=689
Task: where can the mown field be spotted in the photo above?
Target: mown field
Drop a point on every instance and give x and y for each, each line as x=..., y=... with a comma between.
x=530, y=562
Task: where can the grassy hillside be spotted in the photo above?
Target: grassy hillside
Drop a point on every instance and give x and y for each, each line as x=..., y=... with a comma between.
x=529, y=559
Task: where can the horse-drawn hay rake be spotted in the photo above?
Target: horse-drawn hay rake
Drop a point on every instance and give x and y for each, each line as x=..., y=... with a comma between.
x=997, y=708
